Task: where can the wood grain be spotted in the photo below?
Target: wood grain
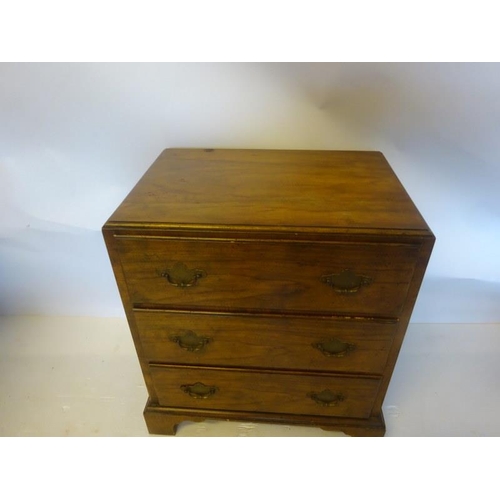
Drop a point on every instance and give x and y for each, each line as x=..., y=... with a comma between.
x=264, y=391
x=265, y=341
x=271, y=188
x=165, y=420
x=268, y=275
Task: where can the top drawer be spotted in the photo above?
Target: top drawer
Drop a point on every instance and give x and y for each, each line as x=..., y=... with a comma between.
x=346, y=278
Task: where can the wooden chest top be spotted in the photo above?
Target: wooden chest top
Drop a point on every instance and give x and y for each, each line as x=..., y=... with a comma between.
x=331, y=191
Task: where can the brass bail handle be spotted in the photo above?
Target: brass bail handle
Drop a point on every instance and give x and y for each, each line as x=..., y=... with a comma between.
x=190, y=341
x=180, y=275
x=327, y=398
x=199, y=390
x=346, y=282
x=334, y=347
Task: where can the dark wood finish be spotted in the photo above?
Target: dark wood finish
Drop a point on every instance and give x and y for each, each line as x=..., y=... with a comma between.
x=298, y=189
x=161, y=420
x=282, y=342
x=264, y=391
x=246, y=274
x=270, y=286
x=418, y=275
x=127, y=304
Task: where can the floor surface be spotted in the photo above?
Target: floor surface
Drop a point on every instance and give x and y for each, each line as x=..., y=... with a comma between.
x=72, y=376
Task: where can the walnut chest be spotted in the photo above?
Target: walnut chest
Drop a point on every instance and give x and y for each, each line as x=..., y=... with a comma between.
x=268, y=286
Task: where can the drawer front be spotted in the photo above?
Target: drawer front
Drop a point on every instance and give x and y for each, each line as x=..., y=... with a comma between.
x=219, y=389
x=286, y=276
x=267, y=342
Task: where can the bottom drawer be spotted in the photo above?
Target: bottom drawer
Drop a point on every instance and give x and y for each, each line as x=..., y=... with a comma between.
x=264, y=391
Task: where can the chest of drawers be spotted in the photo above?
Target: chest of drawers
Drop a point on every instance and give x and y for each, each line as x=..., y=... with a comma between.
x=268, y=286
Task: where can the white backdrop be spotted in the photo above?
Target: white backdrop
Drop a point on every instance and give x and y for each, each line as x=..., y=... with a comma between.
x=74, y=139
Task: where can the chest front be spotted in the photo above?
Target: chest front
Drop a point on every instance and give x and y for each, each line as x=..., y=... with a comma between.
x=268, y=286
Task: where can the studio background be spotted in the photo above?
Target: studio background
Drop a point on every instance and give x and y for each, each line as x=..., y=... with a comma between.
x=75, y=138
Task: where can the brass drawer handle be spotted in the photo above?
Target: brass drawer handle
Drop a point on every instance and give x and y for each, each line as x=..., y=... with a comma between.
x=190, y=341
x=346, y=282
x=326, y=398
x=334, y=347
x=180, y=275
x=199, y=390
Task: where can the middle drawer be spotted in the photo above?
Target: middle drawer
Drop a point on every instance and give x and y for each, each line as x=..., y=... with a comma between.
x=323, y=344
